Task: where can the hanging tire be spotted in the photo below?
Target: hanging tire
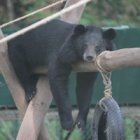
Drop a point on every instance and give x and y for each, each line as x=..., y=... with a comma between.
x=108, y=118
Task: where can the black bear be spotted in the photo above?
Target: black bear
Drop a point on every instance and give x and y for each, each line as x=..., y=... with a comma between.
x=59, y=45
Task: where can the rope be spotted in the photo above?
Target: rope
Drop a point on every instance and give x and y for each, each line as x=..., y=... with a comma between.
x=43, y=21
x=33, y=13
x=106, y=80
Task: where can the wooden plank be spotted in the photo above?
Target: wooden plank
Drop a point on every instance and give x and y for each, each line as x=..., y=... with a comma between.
x=119, y=59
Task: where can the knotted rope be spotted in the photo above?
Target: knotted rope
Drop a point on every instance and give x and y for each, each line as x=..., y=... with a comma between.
x=106, y=80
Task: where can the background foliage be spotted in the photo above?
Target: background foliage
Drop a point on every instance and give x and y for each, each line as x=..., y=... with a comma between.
x=98, y=12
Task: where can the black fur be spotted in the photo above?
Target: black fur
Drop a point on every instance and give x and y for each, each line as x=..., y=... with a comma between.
x=59, y=45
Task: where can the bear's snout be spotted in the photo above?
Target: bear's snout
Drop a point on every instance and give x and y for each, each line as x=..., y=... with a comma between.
x=89, y=54
x=89, y=58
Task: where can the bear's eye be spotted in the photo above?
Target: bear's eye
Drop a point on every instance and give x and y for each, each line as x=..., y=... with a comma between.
x=85, y=46
x=97, y=48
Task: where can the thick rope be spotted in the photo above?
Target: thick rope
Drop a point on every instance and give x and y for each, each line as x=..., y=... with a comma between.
x=106, y=80
x=31, y=14
x=43, y=21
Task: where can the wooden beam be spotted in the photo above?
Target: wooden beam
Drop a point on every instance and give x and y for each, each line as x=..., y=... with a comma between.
x=75, y=15
x=123, y=58
x=119, y=59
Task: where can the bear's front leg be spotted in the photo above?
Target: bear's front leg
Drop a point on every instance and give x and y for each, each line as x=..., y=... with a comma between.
x=84, y=90
x=58, y=77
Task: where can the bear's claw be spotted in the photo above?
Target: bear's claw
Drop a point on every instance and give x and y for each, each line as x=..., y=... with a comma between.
x=69, y=125
x=30, y=95
x=67, y=122
x=81, y=124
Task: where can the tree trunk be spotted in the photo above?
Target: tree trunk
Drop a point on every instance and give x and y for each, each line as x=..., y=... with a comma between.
x=10, y=10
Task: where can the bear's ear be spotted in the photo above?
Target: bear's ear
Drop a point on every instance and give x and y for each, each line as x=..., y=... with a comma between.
x=79, y=29
x=109, y=34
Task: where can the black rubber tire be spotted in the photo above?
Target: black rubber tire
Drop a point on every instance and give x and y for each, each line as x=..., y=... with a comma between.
x=109, y=117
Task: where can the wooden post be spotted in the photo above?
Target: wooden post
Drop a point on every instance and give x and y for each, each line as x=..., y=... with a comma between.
x=74, y=15
x=36, y=111
x=14, y=85
x=11, y=80
x=71, y=17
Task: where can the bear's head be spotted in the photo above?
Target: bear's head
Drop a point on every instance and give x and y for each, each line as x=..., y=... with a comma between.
x=91, y=41
x=86, y=43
